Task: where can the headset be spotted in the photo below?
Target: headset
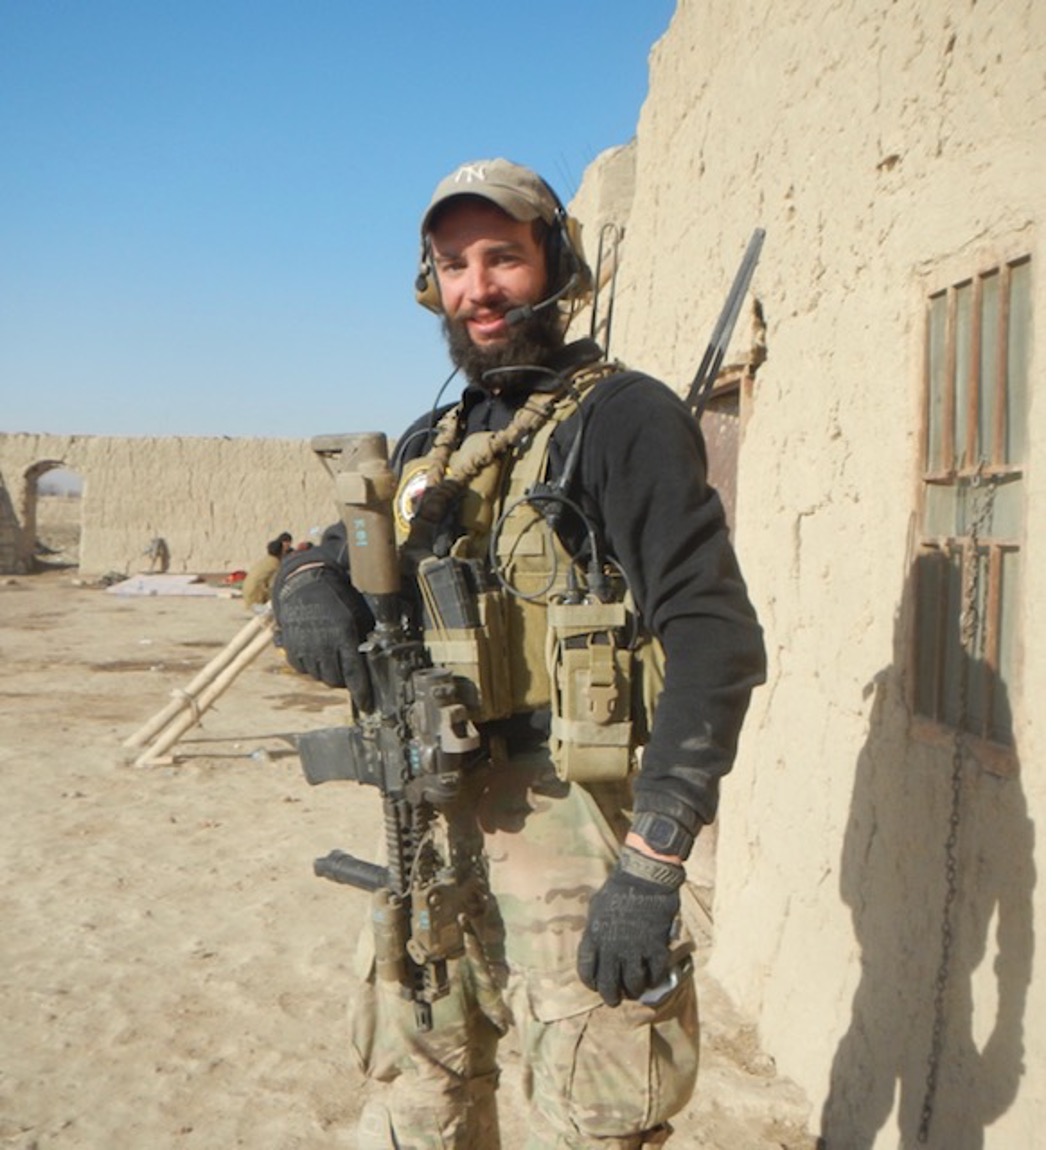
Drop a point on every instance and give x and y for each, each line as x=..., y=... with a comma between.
x=568, y=273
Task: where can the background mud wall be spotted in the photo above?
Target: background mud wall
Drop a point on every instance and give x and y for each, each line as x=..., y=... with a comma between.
x=215, y=501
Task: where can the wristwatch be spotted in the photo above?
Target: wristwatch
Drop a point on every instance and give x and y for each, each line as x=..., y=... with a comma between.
x=663, y=834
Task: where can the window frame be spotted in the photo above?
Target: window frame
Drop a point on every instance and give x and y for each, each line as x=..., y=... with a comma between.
x=939, y=467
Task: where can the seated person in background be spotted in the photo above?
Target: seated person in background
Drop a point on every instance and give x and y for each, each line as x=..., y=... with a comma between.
x=256, y=590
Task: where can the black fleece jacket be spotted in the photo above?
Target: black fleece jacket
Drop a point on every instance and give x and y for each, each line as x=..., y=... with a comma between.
x=641, y=478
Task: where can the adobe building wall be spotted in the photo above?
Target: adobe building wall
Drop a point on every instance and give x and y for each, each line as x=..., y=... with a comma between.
x=215, y=501
x=889, y=150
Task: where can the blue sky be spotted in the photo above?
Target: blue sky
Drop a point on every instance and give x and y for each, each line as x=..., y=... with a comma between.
x=208, y=210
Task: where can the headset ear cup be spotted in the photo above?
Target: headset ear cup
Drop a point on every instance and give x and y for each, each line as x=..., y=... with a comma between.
x=575, y=257
x=426, y=290
x=567, y=257
x=566, y=254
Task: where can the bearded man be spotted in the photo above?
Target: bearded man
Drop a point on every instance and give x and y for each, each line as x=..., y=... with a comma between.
x=620, y=657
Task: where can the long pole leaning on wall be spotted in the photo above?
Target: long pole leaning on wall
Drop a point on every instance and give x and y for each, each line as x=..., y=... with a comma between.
x=606, y=274
x=713, y=357
x=158, y=736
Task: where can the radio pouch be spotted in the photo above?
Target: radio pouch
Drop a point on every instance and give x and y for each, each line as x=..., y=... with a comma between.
x=592, y=735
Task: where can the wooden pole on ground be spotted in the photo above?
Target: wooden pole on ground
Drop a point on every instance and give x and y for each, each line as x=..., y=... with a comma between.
x=264, y=622
x=188, y=705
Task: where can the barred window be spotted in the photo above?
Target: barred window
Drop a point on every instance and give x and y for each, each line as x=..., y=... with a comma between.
x=968, y=570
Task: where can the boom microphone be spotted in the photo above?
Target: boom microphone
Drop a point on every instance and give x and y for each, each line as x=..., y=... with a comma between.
x=518, y=314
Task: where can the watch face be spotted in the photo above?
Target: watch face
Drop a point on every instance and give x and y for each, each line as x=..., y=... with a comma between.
x=663, y=834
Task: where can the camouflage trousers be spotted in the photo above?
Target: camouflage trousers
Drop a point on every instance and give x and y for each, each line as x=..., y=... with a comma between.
x=594, y=1076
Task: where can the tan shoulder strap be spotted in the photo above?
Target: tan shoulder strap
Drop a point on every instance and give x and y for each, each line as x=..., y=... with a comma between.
x=446, y=480
x=538, y=409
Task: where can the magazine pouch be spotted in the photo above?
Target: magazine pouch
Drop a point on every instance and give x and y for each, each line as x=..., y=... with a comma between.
x=465, y=633
x=592, y=735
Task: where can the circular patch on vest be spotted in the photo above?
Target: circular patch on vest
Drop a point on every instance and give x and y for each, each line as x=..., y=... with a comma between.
x=413, y=482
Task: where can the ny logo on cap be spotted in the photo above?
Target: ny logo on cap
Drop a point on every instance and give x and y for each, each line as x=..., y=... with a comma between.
x=469, y=172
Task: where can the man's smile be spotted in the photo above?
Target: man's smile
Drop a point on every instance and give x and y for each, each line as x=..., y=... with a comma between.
x=485, y=326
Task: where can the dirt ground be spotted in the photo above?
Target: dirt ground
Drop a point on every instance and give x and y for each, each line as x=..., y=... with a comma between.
x=172, y=974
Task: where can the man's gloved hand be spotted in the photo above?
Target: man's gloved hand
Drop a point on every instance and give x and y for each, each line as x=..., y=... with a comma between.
x=321, y=621
x=626, y=946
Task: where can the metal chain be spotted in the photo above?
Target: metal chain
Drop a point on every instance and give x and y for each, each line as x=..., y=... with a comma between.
x=970, y=628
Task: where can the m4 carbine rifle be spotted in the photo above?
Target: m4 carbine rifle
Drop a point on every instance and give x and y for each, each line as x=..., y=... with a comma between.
x=414, y=746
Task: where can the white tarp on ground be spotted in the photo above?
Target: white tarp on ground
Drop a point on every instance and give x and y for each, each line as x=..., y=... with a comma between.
x=163, y=585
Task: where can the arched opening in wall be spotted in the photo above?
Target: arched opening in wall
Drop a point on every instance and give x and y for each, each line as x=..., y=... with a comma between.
x=52, y=515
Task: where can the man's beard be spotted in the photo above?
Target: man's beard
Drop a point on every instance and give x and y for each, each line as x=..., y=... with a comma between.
x=530, y=342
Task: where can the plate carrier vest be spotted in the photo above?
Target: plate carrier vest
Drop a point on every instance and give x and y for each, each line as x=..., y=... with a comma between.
x=532, y=638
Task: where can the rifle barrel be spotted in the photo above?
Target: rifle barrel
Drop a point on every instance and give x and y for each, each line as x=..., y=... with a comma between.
x=703, y=383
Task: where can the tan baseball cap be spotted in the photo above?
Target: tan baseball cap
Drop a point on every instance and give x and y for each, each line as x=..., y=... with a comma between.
x=517, y=190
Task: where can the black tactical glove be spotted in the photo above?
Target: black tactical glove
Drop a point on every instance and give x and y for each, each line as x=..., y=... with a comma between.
x=626, y=946
x=321, y=620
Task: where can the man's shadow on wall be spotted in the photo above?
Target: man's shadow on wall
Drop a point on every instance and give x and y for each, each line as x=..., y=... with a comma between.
x=894, y=877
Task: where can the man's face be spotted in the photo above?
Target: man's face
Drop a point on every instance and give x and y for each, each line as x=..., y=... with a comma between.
x=486, y=263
